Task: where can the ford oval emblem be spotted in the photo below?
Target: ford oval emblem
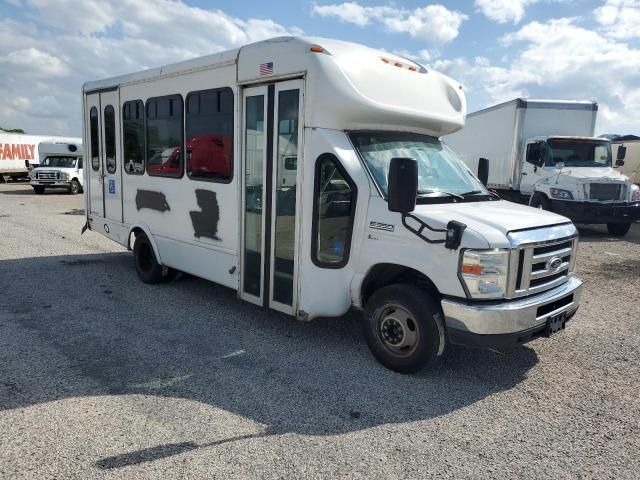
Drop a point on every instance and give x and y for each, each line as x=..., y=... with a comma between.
x=554, y=263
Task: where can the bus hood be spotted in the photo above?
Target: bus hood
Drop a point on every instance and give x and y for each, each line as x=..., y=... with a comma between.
x=491, y=220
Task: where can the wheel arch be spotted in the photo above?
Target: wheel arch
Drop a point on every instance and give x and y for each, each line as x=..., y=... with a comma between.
x=383, y=274
x=137, y=230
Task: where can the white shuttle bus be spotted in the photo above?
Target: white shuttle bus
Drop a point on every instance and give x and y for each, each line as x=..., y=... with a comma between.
x=308, y=175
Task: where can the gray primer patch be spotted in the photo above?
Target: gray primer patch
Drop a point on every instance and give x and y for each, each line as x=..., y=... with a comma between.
x=151, y=200
x=205, y=222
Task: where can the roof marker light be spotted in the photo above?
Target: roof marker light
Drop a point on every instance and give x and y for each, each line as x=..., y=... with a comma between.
x=317, y=49
x=385, y=60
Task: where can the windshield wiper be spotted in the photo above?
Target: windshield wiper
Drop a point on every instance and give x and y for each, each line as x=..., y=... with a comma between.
x=454, y=195
x=478, y=192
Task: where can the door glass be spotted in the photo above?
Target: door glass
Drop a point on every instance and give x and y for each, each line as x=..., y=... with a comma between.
x=285, y=201
x=95, y=139
x=254, y=181
x=110, y=138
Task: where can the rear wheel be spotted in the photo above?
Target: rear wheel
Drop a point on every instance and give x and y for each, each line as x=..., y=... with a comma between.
x=618, y=229
x=74, y=187
x=404, y=327
x=147, y=266
x=38, y=189
x=539, y=200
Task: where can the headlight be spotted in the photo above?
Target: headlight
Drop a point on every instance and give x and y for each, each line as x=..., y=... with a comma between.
x=563, y=194
x=635, y=193
x=485, y=272
x=64, y=176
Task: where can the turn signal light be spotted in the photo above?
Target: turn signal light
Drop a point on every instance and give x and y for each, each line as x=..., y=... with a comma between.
x=472, y=269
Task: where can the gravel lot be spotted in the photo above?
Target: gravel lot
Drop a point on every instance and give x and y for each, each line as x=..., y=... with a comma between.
x=102, y=376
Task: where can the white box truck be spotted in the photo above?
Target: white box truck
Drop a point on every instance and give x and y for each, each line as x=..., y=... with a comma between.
x=289, y=171
x=20, y=153
x=60, y=168
x=543, y=152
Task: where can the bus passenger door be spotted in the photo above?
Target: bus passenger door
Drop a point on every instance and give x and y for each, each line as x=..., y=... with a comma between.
x=271, y=136
x=93, y=163
x=110, y=155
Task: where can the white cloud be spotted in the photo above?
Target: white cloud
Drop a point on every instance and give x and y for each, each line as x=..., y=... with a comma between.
x=620, y=18
x=560, y=59
x=46, y=56
x=433, y=23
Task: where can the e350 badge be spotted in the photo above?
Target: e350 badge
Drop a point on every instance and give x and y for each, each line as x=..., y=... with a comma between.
x=381, y=226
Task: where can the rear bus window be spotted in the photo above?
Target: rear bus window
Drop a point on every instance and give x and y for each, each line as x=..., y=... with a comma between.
x=133, y=136
x=164, y=136
x=209, y=125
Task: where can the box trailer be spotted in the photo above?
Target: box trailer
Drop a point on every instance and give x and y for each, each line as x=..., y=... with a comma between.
x=20, y=153
x=290, y=172
x=543, y=153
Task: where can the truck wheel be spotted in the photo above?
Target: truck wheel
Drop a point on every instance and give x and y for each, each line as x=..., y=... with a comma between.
x=74, y=188
x=147, y=266
x=404, y=328
x=618, y=229
x=539, y=200
x=39, y=190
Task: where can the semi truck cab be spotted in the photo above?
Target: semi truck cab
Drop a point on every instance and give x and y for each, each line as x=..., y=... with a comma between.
x=574, y=176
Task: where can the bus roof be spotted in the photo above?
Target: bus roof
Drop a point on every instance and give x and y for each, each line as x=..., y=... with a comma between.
x=348, y=87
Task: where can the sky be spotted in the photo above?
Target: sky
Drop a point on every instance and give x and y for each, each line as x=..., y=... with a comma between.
x=498, y=49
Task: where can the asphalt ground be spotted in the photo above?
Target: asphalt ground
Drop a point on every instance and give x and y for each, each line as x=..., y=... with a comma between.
x=102, y=376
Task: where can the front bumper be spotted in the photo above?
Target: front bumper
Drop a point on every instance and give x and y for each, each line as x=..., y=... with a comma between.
x=591, y=212
x=499, y=324
x=50, y=183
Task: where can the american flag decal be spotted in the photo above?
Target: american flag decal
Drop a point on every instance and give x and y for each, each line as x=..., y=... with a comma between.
x=266, y=68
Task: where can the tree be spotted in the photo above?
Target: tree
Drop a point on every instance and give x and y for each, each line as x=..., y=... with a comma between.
x=12, y=130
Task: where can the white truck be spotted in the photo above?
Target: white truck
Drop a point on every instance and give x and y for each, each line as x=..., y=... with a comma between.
x=60, y=168
x=544, y=153
x=20, y=153
x=297, y=177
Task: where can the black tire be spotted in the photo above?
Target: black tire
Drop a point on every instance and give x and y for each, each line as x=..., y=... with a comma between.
x=170, y=275
x=618, y=229
x=539, y=200
x=386, y=329
x=74, y=187
x=39, y=190
x=147, y=266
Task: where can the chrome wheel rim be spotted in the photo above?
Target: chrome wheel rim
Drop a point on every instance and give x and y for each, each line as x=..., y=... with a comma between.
x=398, y=331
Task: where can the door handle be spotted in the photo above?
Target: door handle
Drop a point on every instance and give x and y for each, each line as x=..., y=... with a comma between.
x=524, y=173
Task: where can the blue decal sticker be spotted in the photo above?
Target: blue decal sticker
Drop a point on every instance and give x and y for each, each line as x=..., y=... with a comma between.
x=112, y=186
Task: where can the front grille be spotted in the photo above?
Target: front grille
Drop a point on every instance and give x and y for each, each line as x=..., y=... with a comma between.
x=605, y=191
x=47, y=175
x=533, y=269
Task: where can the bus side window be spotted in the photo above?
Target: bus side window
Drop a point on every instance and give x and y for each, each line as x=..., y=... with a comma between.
x=333, y=213
x=95, y=139
x=133, y=136
x=165, y=151
x=209, y=125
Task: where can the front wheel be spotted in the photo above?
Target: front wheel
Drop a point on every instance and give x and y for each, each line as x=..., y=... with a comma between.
x=618, y=229
x=74, y=188
x=539, y=200
x=404, y=327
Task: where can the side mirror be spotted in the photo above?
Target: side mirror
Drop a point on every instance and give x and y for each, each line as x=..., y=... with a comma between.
x=402, y=185
x=483, y=170
x=622, y=152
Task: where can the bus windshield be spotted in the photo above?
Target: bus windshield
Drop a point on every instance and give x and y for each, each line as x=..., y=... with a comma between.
x=440, y=172
x=59, y=162
x=571, y=152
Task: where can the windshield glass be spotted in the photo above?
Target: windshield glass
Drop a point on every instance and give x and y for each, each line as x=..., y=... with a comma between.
x=59, y=162
x=578, y=153
x=439, y=169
